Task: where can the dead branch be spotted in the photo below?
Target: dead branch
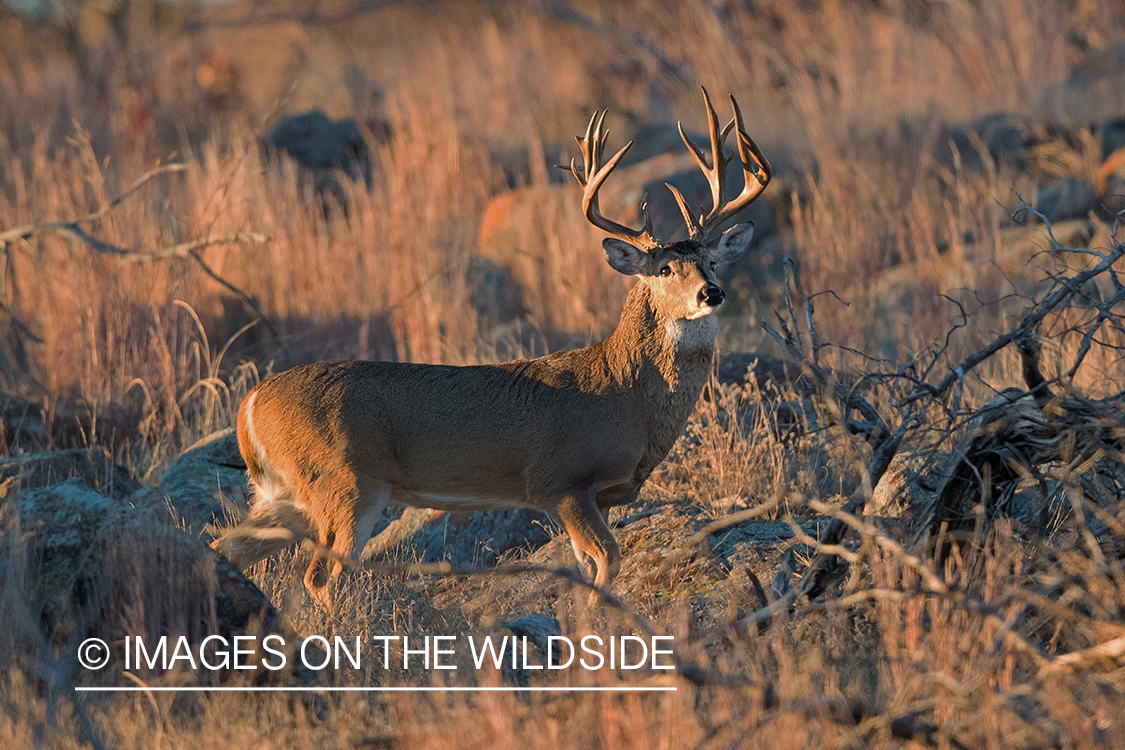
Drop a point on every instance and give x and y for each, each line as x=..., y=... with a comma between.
x=1006, y=442
x=1110, y=651
x=825, y=567
x=791, y=338
x=1067, y=288
x=72, y=230
x=733, y=519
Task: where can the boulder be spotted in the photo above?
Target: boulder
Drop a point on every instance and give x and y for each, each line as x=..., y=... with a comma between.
x=321, y=144
x=1096, y=79
x=908, y=483
x=207, y=484
x=494, y=293
x=767, y=372
x=325, y=149
x=536, y=629
x=27, y=427
x=731, y=543
x=1114, y=198
x=1067, y=199
x=1003, y=136
x=91, y=564
x=1113, y=136
x=94, y=467
x=523, y=163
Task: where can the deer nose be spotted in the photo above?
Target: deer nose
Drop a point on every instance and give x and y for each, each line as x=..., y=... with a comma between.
x=711, y=295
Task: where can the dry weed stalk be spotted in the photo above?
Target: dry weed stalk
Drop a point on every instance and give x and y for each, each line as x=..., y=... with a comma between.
x=1020, y=442
x=73, y=230
x=1020, y=439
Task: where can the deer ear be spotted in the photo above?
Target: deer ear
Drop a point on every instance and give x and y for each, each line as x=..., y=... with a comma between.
x=734, y=242
x=625, y=258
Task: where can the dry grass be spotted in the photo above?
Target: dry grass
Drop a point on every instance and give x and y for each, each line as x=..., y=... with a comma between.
x=855, y=99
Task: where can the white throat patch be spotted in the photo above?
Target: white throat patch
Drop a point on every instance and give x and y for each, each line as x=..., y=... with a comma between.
x=698, y=333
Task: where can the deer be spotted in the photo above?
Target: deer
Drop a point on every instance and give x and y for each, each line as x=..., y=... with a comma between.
x=574, y=433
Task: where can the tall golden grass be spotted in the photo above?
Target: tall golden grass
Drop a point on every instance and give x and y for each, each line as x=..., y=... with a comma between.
x=854, y=97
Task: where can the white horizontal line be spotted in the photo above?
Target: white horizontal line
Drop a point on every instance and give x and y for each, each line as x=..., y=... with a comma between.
x=401, y=689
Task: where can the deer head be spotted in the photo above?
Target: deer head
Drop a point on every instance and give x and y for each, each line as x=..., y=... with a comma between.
x=680, y=275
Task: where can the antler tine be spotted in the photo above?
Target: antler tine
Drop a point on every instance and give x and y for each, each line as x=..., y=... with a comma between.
x=716, y=174
x=588, y=145
x=592, y=177
x=647, y=219
x=692, y=226
x=756, y=172
x=718, y=155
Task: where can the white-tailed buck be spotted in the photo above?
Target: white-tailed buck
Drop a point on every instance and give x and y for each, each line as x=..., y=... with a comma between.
x=572, y=433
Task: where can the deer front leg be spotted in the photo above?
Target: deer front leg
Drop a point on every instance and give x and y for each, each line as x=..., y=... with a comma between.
x=590, y=535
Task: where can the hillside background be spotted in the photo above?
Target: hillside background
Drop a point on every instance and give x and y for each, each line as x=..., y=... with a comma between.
x=413, y=211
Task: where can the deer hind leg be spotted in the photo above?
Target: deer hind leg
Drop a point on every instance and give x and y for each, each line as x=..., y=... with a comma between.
x=343, y=529
x=590, y=536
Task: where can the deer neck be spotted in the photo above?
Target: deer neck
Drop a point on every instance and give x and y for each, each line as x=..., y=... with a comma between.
x=663, y=360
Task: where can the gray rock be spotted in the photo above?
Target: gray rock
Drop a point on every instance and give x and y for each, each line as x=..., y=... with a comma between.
x=523, y=164
x=494, y=292
x=1114, y=198
x=92, y=563
x=321, y=144
x=907, y=484
x=1096, y=79
x=94, y=467
x=1113, y=136
x=763, y=370
x=325, y=149
x=1004, y=137
x=28, y=427
x=205, y=485
x=1104, y=64
x=1067, y=199
x=535, y=628
x=759, y=533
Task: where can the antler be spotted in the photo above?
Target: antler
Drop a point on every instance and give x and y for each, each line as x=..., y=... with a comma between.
x=755, y=168
x=593, y=174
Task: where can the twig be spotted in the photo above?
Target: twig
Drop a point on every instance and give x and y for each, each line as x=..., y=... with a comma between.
x=733, y=520
x=30, y=230
x=1030, y=322
x=72, y=230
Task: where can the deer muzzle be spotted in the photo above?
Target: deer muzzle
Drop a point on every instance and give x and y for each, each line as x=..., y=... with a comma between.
x=711, y=295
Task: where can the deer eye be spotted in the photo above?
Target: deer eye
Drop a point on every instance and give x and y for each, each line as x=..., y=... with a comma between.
x=712, y=265
x=666, y=271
